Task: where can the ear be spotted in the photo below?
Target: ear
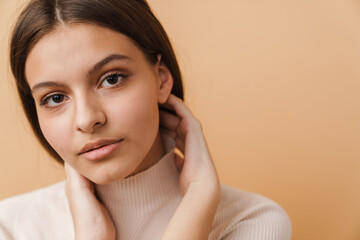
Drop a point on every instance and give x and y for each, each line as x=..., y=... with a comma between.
x=165, y=81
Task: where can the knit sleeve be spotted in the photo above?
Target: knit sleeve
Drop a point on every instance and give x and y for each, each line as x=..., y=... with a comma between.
x=39, y=214
x=5, y=234
x=244, y=215
x=268, y=223
x=8, y=217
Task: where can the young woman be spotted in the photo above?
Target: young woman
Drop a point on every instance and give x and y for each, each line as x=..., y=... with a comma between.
x=101, y=87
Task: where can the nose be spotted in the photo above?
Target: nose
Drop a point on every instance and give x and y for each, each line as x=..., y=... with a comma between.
x=89, y=115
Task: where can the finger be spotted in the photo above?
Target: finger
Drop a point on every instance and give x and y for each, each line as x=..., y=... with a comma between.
x=168, y=132
x=181, y=132
x=79, y=192
x=171, y=125
x=169, y=121
x=166, y=107
x=75, y=179
x=180, y=108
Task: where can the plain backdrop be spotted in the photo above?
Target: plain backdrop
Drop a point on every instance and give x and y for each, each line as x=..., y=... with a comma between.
x=276, y=85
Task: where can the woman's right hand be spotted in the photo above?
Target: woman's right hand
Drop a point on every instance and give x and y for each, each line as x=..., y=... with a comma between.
x=90, y=218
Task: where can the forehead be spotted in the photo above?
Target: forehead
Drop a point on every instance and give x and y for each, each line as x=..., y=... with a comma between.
x=77, y=46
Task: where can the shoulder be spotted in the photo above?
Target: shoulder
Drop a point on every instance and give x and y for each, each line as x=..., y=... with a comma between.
x=245, y=215
x=37, y=198
x=26, y=213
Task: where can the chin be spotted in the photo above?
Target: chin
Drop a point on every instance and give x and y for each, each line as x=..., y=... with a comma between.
x=102, y=181
x=108, y=176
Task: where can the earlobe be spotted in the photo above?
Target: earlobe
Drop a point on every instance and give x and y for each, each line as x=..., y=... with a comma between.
x=166, y=82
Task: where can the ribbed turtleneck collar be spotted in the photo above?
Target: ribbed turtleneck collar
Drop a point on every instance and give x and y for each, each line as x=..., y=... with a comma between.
x=133, y=199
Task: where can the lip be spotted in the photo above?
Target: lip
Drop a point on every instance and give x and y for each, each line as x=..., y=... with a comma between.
x=99, y=149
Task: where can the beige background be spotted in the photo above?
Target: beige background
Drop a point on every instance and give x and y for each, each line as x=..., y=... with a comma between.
x=276, y=84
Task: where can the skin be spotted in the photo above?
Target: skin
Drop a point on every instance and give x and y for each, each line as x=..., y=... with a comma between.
x=92, y=108
x=83, y=106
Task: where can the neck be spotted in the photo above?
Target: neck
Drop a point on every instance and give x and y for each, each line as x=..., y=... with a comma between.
x=157, y=151
x=136, y=203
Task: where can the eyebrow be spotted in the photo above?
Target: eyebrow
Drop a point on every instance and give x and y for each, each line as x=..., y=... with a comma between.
x=108, y=59
x=96, y=67
x=46, y=84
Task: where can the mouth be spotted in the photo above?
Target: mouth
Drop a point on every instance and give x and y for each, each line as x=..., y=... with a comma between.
x=99, y=149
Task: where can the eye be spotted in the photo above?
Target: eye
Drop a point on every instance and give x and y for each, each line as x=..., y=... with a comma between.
x=53, y=100
x=113, y=80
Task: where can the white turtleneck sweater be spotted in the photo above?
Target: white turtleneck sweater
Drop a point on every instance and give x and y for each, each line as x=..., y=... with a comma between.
x=141, y=207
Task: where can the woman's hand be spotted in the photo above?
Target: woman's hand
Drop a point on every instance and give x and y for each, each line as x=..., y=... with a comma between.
x=91, y=219
x=198, y=180
x=196, y=168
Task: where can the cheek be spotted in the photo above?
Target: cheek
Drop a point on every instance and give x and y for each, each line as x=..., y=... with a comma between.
x=138, y=113
x=55, y=130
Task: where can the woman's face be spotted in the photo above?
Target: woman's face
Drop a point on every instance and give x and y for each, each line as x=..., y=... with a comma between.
x=97, y=100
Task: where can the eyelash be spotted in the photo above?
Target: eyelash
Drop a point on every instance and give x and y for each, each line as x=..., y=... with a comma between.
x=44, y=100
x=116, y=74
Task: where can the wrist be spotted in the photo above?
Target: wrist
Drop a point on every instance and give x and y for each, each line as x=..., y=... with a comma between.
x=209, y=193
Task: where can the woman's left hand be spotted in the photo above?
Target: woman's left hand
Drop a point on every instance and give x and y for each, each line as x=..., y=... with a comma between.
x=198, y=180
x=197, y=167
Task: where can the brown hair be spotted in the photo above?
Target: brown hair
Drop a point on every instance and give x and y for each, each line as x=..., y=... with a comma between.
x=132, y=18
